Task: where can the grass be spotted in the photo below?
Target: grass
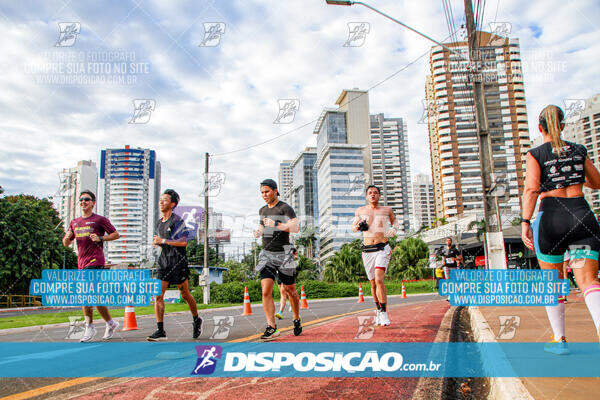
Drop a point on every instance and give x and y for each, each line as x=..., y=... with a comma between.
x=60, y=317
x=19, y=321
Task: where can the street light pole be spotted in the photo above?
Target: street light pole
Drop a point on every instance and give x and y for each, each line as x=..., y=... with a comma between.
x=349, y=3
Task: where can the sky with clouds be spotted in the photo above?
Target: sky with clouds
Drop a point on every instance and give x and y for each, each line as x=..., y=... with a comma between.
x=62, y=104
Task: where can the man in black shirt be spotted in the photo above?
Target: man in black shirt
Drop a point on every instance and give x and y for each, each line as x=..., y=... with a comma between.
x=451, y=257
x=172, y=263
x=276, y=260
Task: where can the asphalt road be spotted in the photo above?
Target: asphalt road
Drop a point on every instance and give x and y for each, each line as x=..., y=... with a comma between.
x=220, y=325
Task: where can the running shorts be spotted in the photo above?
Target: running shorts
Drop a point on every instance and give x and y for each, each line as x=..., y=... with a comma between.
x=565, y=223
x=173, y=275
x=376, y=256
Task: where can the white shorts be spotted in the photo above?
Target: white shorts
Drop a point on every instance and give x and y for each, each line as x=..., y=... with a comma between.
x=376, y=259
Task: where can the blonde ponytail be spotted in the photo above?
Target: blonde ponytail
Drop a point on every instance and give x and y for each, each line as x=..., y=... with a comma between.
x=551, y=119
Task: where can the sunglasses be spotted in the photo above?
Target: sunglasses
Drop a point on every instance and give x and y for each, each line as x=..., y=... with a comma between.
x=85, y=199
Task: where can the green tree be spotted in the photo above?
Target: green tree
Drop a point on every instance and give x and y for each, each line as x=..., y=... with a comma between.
x=195, y=254
x=307, y=239
x=307, y=269
x=346, y=264
x=237, y=271
x=30, y=240
x=248, y=259
x=409, y=259
x=481, y=228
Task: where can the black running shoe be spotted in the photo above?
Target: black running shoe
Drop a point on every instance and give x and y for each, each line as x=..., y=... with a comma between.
x=270, y=334
x=297, y=327
x=197, y=327
x=157, y=336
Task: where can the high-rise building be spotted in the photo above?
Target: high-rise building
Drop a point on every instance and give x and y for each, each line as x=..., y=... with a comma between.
x=72, y=182
x=391, y=167
x=453, y=131
x=355, y=103
x=341, y=177
x=585, y=130
x=285, y=180
x=304, y=196
x=423, y=204
x=128, y=195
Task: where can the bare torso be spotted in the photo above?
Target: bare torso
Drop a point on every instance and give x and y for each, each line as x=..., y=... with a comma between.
x=569, y=191
x=380, y=220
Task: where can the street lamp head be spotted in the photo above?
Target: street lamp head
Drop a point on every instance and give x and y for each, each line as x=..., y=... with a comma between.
x=339, y=2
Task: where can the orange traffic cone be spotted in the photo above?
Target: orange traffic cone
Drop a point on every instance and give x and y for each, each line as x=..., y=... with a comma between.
x=247, y=306
x=130, y=324
x=361, y=298
x=403, y=291
x=303, y=303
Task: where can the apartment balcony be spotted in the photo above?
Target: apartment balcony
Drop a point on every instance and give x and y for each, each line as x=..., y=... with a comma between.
x=436, y=56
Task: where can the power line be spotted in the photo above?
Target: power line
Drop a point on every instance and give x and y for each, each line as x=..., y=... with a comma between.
x=315, y=120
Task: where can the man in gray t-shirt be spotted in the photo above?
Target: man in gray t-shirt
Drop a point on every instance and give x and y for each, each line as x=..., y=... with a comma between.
x=276, y=260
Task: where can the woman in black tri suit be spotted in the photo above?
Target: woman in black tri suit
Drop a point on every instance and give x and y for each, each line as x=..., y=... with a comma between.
x=556, y=173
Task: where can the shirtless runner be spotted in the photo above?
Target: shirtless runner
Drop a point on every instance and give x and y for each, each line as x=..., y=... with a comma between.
x=377, y=224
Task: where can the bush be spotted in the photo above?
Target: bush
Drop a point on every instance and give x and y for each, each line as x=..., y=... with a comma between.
x=233, y=292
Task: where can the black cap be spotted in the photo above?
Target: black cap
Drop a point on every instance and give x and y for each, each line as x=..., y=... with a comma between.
x=270, y=183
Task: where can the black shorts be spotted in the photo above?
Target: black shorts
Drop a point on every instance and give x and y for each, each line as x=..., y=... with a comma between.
x=565, y=224
x=175, y=276
x=269, y=272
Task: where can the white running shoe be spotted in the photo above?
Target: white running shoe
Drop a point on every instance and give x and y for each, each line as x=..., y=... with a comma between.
x=377, y=317
x=110, y=330
x=384, y=320
x=90, y=332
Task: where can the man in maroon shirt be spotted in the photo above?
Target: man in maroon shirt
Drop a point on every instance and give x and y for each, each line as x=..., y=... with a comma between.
x=91, y=231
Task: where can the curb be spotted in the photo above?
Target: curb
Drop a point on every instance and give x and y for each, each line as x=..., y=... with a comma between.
x=500, y=388
x=432, y=388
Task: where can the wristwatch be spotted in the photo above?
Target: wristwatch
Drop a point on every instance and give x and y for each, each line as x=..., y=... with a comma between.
x=101, y=238
x=526, y=221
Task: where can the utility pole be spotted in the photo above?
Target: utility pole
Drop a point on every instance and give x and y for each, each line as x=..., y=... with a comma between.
x=495, y=238
x=206, y=290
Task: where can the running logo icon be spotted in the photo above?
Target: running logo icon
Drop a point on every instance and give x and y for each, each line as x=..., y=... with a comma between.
x=573, y=109
x=142, y=111
x=508, y=326
x=76, y=327
x=429, y=111
x=68, y=33
x=216, y=180
x=499, y=32
x=365, y=328
x=213, y=31
x=356, y=184
x=357, y=33
x=287, y=110
x=223, y=325
x=207, y=359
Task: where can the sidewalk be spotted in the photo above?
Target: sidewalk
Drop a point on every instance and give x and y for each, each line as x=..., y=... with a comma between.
x=535, y=327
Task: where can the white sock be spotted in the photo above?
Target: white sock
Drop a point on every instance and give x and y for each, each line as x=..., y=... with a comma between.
x=592, y=301
x=556, y=315
x=88, y=321
x=111, y=322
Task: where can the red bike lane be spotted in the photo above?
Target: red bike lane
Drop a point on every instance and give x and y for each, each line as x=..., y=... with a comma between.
x=409, y=323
